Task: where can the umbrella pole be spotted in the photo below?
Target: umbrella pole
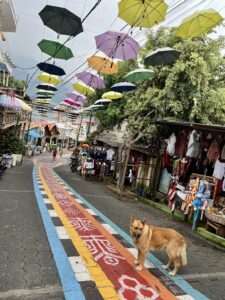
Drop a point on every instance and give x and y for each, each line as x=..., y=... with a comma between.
x=89, y=125
x=28, y=130
x=78, y=133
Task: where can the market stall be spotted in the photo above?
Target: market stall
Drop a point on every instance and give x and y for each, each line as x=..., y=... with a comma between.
x=193, y=172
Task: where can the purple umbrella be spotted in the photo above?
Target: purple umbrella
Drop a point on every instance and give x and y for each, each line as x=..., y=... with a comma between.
x=8, y=101
x=91, y=80
x=76, y=97
x=117, y=45
x=68, y=105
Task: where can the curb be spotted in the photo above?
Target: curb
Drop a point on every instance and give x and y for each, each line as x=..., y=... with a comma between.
x=211, y=237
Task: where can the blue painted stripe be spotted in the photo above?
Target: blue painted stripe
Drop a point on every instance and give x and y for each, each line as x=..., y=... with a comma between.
x=71, y=288
x=181, y=282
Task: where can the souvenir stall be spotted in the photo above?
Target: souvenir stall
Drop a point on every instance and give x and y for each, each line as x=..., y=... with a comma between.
x=193, y=172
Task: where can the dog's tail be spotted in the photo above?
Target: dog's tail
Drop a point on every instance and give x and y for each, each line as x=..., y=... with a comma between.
x=183, y=254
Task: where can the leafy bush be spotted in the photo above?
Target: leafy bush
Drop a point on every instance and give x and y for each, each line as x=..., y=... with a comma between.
x=147, y=193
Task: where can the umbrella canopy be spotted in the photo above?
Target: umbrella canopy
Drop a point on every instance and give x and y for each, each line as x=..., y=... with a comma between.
x=51, y=69
x=44, y=92
x=139, y=75
x=112, y=95
x=139, y=13
x=91, y=80
x=8, y=101
x=47, y=87
x=103, y=101
x=45, y=101
x=96, y=106
x=50, y=79
x=76, y=97
x=61, y=20
x=24, y=105
x=117, y=45
x=162, y=56
x=55, y=49
x=44, y=97
x=123, y=87
x=83, y=88
x=199, y=23
x=102, y=64
x=72, y=102
x=68, y=105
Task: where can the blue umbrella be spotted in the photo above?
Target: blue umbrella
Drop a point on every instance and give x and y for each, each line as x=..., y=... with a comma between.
x=123, y=87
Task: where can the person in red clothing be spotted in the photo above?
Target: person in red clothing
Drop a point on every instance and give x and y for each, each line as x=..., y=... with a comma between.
x=54, y=153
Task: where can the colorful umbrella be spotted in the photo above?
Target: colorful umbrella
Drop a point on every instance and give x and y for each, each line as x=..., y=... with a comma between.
x=117, y=45
x=102, y=64
x=55, y=49
x=199, y=23
x=91, y=80
x=76, y=97
x=83, y=88
x=61, y=20
x=96, y=106
x=44, y=92
x=8, y=101
x=142, y=13
x=47, y=87
x=139, y=75
x=44, y=101
x=51, y=79
x=67, y=105
x=51, y=69
x=162, y=56
x=123, y=87
x=44, y=97
x=72, y=102
x=112, y=95
x=103, y=101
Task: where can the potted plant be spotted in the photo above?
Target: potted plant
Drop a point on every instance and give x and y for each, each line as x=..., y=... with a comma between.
x=147, y=193
x=139, y=189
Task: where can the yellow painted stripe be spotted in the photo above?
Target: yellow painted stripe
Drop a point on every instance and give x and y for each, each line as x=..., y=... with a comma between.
x=104, y=285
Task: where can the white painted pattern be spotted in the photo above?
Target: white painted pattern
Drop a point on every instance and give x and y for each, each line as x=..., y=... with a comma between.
x=82, y=224
x=52, y=213
x=91, y=212
x=47, y=201
x=109, y=228
x=43, y=193
x=185, y=297
x=62, y=233
x=80, y=270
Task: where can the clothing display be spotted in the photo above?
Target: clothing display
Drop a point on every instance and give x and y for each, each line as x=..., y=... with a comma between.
x=193, y=145
x=109, y=154
x=171, y=144
x=219, y=170
x=214, y=151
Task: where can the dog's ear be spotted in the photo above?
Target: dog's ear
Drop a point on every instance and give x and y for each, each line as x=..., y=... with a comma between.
x=143, y=221
x=131, y=219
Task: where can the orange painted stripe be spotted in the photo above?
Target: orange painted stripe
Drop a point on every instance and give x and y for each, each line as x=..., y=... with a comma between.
x=151, y=279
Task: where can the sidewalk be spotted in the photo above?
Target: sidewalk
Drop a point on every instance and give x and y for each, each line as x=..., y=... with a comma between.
x=27, y=268
x=206, y=264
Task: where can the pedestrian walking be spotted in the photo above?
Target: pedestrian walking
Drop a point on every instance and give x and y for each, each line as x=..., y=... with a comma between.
x=61, y=153
x=54, y=153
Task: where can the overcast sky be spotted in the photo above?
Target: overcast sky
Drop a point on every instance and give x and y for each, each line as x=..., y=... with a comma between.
x=22, y=45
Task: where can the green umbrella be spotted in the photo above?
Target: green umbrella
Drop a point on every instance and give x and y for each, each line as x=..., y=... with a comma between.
x=139, y=75
x=199, y=23
x=55, y=49
x=44, y=92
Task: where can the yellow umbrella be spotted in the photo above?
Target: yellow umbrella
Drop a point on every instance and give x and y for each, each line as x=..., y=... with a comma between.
x=102, y=64
x=24, y=105
x=139, y=13
x=43, y=100
x=83, y=88
x=199, y=23
x=112, y=95
x=51, y=79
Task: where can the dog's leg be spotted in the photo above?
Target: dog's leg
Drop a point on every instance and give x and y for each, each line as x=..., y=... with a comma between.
x=137, y=261
x=141, y=261
x=165, y=267
x=176, y=267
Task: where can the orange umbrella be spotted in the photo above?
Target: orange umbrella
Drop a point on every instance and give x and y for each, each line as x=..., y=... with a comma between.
x=102, y=64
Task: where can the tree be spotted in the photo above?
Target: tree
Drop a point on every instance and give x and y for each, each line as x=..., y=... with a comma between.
x=189, y=90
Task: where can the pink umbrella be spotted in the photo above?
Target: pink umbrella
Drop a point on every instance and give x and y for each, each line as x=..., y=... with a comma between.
x=76, y=97
x=72, y=102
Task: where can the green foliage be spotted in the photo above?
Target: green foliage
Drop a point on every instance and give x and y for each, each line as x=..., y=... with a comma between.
x=139, y=185
x=11, y=144
x=189, y=90
x=18, y=85
x=147, y=193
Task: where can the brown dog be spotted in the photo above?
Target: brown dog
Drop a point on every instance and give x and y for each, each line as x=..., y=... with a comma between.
x=148, y=237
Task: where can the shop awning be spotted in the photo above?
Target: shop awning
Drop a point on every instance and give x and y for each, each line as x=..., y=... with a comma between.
x=190, y=125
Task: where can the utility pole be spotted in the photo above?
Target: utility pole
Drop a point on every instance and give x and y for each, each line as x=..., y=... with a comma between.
x=78, y=133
